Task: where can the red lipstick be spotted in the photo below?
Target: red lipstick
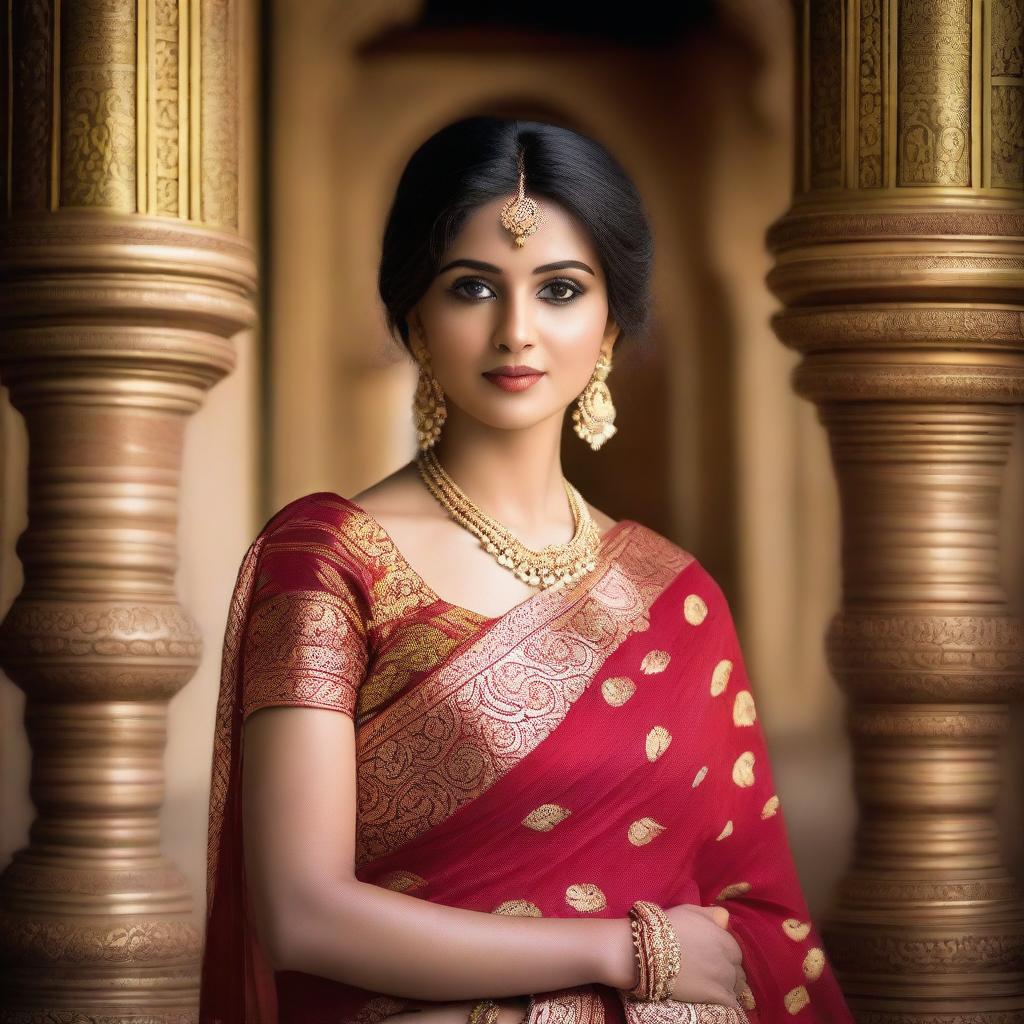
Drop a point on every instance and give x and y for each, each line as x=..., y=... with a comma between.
x=514, y=378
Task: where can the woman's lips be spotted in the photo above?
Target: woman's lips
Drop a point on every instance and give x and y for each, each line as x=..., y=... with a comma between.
x=507, y=382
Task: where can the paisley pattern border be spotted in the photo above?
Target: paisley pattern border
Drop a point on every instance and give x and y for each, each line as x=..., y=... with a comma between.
x=442, y=744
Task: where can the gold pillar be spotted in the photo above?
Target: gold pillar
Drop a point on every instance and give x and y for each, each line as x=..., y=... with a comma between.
x=901, y=267
x=124, y=279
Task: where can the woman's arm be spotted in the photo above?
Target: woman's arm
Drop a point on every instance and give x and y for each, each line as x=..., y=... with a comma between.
x=314, y=915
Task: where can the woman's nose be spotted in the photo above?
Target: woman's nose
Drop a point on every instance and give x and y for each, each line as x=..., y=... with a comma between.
x=515, y=328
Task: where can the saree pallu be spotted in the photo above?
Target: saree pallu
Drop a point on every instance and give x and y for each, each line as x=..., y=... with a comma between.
x=594, y=745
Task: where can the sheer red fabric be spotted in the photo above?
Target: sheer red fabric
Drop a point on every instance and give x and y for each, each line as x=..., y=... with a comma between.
x=615, y=748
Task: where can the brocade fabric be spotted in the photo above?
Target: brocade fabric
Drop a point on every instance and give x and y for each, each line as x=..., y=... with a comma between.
x=592, y=746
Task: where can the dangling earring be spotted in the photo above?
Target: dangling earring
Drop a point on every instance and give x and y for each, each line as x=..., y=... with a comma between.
x=429, y=410
x=594, y=417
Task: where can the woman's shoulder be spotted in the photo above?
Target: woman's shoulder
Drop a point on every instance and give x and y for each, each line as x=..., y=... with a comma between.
x=327, y=528
x=318, y=509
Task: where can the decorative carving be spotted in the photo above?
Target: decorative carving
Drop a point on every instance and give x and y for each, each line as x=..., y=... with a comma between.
x=934, y=92
x=114, y=324
x=901, y=280
x=870, y=108
x=63, y=942
x=852, y=225
x=219, y=137
x=914, y=327
x=1007, y=64
x=934, y=954
x=826, y=90
x=953, y=1017
x=98, y=98
x=165, y=123
x=130, y=136
x=32, y=47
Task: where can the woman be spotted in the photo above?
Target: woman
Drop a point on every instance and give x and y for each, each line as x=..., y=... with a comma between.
x=538, y=737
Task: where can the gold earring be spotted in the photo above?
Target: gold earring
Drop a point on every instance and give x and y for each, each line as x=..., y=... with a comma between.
x=429, y=411
x=594, y=417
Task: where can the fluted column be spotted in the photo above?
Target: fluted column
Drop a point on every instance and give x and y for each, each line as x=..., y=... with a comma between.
x=124, y=279
x=901, y=268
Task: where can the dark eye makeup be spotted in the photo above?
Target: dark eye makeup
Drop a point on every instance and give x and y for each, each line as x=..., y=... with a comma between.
x=560, y=285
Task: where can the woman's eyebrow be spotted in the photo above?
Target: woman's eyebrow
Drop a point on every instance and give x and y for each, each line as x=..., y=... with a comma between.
x=491, y=268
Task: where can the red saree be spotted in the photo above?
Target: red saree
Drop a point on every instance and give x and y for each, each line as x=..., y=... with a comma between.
x=592, y=746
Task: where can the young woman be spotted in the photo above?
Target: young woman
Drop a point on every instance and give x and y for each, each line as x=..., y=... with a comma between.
x=547, y=791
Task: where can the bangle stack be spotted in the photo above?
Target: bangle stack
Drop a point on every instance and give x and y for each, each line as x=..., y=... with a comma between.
x=657, y=951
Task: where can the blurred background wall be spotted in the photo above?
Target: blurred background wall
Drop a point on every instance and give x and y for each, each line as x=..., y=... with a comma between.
x=713, y=449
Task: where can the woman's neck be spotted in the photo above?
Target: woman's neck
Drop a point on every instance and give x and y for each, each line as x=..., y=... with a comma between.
x=514, y=476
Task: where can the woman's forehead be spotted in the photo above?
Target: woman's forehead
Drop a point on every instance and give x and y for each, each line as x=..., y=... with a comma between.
x=558, y=237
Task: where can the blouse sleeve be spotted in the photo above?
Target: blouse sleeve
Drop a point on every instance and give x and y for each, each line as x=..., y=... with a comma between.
x=746, y=865
x=306, y=636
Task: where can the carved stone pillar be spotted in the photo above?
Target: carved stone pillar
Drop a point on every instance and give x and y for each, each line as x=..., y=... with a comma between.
x=124, y=279
x=901, y=267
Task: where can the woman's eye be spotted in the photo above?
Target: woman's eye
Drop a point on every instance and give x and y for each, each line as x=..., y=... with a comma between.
x=472, y=289
x=567, y=291
x=472, y=284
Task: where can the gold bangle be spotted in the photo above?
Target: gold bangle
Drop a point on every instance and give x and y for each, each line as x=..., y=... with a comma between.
x=656, y=949
x=485, y=1011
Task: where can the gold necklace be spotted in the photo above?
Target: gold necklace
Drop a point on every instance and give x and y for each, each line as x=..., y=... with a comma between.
x=555, y=565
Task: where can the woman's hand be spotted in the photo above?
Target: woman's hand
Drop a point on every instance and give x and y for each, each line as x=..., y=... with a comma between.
x=711, y=970
x=510, y=1011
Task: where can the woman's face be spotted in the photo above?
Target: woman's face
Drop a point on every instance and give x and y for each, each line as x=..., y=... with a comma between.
x=496, y=304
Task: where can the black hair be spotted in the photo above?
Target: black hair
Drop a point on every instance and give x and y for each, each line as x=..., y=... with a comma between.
x=477, y=159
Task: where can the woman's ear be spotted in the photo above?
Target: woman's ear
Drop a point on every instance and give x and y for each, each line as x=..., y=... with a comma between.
x=611, y=337
x=414, y=325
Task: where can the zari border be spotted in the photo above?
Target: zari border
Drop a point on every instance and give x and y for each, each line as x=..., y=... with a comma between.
x=444, y=743
x=580, y=1005
x=227, y=709
x=674, y=1011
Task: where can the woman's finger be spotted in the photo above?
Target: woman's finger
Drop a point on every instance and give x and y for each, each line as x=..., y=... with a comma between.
x=717, y=913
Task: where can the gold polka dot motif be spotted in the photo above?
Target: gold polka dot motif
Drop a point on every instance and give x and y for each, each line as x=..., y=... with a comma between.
x=796, y=930
x=814, y=963
x=743, y=711
x=402, y=881
x=518, y=908
x=726, y=831
x=585, y=897
x=736, y=889
x=771, y=805
x=694, y=609
x=545, y=817
x=743, y=769
x=655, y=661
x=643, y=830
x=657, y=742
x=796, y=999
x=699, y=777
x=720, y=677
x=617, y=690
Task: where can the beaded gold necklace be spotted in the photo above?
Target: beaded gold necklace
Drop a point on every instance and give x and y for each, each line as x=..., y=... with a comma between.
x=553, y=566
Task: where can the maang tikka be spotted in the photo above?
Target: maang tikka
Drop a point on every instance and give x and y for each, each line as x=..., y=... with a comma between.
x=520, y=214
